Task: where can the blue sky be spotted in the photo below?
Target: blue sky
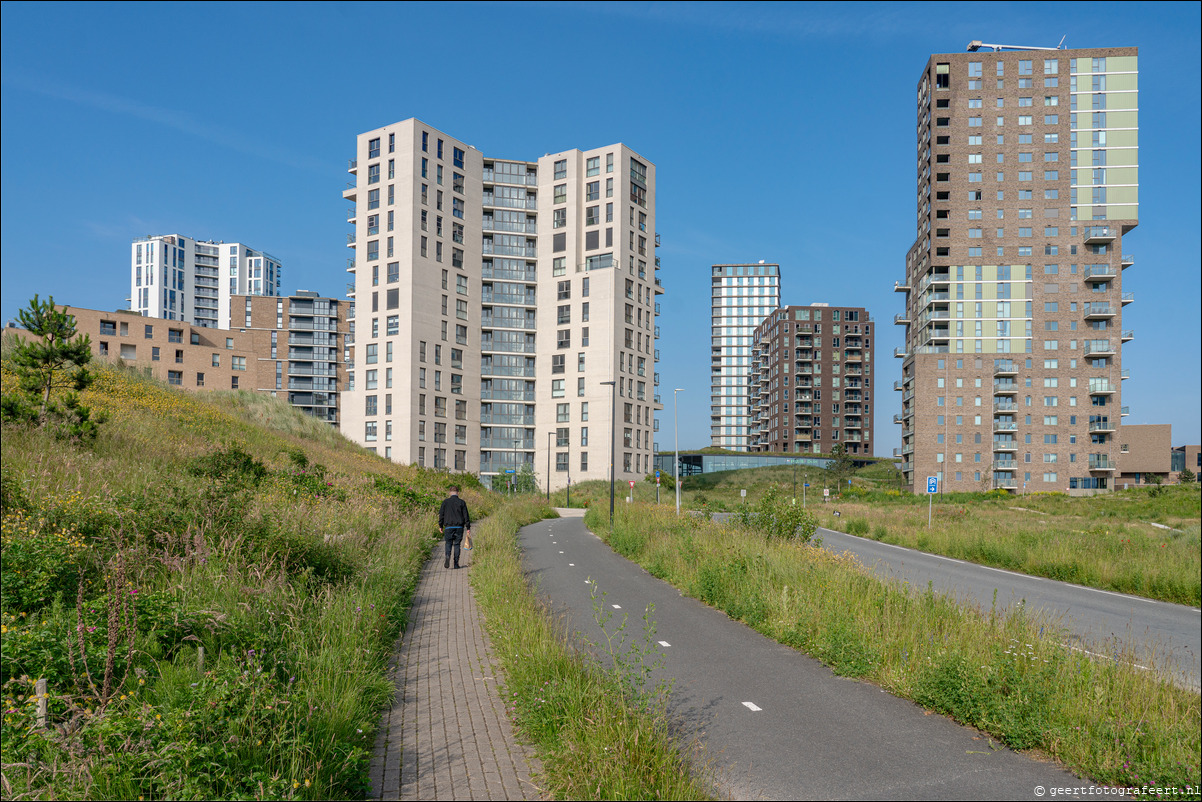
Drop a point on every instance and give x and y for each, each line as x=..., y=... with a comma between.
x=780, y=132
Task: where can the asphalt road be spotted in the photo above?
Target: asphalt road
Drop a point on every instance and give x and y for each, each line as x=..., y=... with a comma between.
x=773, y=723
x=1168, y=636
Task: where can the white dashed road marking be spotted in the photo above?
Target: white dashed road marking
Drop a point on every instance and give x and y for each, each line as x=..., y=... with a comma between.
x=664, y=643
x=617, y=607
x=752, y=706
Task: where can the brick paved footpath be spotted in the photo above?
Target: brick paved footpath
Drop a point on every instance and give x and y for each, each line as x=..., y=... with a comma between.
x=447, y=735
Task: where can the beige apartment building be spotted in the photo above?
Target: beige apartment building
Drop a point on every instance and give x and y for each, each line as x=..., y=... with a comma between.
x=810, y=385
x=289, y=347
x=494, y=299
x=1027, y=182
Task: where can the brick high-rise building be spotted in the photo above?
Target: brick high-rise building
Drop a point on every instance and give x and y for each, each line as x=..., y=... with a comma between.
x=1027, y=167
x=492, y=299
x=810, y=383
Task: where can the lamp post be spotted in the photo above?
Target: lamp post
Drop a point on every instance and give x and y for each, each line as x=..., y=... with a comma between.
x=549, y=466
x=613, y=428
x=676, y=438
x=794, y=461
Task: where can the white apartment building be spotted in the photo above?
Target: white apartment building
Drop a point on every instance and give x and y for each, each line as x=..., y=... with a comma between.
x=179, y=278
x=742, y=295
x=493, y=299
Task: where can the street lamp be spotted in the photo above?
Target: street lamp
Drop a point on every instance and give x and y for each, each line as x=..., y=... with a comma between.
x=613, y=428
x=676, y=437
x=549, y=433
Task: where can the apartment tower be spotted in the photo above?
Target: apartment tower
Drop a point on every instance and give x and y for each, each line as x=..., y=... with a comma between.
x=1027, y=163
x=495, y=299
x=810, y=383
x=179, y=278
x=741, y=296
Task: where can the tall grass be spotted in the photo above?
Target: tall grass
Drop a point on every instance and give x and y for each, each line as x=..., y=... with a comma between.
x=594, y=742
x=227, y=522
x=1007, y=674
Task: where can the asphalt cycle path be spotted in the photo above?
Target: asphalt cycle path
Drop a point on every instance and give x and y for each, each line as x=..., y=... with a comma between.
x=773, y=723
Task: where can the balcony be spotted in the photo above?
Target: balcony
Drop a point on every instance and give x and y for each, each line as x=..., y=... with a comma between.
x=352, y=165
x=1099, y=348
x=897, y=418
x=1128, y=335
x=1124, y=374
x=901, y=320
x=1005, y=444
x=1101, y=387
x=900, y=353
x=1005, y=426
x=1099, y=311
x=1005, y=465
x=1100, y=234
x=1126, y=260
x=899, y=286
x=1005, y=387
x=1005, y=482
x=1101, y=426
x=1124, y=411
x=1128, y=297
x=1101, y=462
x=1004, y=367
x=1099, y=273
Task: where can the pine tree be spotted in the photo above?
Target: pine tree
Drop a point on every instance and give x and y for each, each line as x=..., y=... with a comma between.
x=56, y=359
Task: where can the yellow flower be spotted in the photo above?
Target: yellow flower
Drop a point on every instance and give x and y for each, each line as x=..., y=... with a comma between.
x=295, y=784
x=307, y=783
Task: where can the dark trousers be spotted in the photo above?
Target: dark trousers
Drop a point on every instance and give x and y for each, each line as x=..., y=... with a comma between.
x=452, y=536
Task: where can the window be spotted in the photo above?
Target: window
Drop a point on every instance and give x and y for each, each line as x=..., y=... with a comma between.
x=560, y=193
x=238, y=363
x=561, y=168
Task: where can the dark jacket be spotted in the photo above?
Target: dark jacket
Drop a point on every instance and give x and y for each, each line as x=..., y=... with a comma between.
x=453, y=512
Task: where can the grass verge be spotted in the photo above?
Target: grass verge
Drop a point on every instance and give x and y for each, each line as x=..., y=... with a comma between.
x=218, y=521
x=1107, y=541
x=1006, y=674
x=593, y=744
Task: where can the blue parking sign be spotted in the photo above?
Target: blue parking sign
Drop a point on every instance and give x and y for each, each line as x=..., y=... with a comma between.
x=932, y=484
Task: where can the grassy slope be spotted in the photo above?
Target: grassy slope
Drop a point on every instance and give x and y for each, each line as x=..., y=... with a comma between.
x=295, y=584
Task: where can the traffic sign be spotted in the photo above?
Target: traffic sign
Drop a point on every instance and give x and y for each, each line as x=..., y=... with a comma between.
x=826, y=492
x=632, y=483
x=932, y=484
x=657, y=473
x=807, y=484
x=510, y=470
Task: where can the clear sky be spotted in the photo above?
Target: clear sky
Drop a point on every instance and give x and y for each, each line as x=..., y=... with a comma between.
x=780, y=132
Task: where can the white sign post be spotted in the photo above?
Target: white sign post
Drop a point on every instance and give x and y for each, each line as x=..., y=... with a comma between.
x=932, y=489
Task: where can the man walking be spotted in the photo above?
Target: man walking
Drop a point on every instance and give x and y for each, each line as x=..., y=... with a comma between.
x=453, y=521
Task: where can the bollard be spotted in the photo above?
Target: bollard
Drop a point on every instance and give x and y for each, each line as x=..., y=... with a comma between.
x=200, y=659
x=40, y=690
